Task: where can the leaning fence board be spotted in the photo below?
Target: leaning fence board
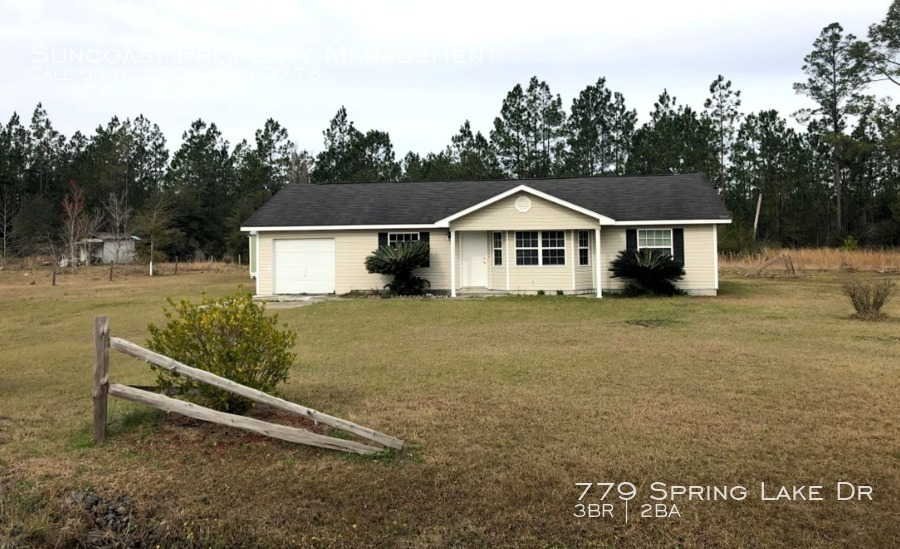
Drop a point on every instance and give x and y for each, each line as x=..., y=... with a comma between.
x=282, y=432
x=783, y=259
x=167, y=363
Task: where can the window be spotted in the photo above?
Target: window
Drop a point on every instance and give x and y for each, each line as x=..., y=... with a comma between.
x=584, y=255
x=553, y=248
x=540, y=248
x=498, y=249
x=394, y=238
x=655, y=238
x=527, y=248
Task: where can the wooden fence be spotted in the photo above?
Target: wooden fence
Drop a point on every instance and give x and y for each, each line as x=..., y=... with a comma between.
x=103, y=389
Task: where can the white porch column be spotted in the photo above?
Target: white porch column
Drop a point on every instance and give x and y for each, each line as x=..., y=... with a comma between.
x=508, y=255
x=598, y=263
x=574, y=256
x=452, y=263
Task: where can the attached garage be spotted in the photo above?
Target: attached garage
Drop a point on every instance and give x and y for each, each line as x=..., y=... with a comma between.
x=304, y=266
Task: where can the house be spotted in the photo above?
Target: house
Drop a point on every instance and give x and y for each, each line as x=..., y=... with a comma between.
x=517, y=236
x=107, y=248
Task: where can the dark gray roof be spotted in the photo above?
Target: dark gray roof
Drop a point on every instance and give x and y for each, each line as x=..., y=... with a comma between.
x=639, y=198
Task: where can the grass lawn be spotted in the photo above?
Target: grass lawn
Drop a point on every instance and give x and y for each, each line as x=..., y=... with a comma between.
x=505, y=403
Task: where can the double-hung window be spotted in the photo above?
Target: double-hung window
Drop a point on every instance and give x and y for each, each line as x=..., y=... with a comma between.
x=660, y=239
x=540, y=248
x=584, y=254
x=553, y=248
x=527, y=248
x=497, y=240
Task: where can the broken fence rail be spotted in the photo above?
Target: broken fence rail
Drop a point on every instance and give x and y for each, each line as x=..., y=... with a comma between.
x=103, y=343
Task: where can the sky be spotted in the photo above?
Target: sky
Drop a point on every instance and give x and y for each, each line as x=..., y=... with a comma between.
x=415, y=69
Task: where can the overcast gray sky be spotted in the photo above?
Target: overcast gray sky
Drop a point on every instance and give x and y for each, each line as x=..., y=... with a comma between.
x=414, y=69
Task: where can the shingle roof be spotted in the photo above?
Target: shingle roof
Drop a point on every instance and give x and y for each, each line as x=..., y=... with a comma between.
x=639, y=198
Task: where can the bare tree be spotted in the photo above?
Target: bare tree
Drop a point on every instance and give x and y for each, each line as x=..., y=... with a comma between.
x=55, y=249
x=154, y=223
x=299, y=166
x=9, y=207
x=73, y=219
x=78, y=224
x=119, y=214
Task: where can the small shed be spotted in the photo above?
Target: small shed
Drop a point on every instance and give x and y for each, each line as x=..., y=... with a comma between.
x=107, y=248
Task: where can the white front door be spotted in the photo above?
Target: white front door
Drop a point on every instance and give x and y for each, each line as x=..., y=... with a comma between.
x=473, y=259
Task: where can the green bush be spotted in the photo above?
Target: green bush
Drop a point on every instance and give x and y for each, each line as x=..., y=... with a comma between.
x=399, y=260
x=868, y=297
x=231, y=337
x=849, y=244
x=648, y=271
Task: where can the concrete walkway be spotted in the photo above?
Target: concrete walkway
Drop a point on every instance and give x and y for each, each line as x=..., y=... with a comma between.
x=292, y=301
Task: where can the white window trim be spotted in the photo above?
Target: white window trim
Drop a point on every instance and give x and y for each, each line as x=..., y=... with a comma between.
x=494, y=248
x=670, y=247
x=540, y=248
x=395, y=234
x=579, y=247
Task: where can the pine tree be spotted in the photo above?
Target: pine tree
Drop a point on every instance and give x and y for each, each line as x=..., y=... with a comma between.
x=722, y=110
x=350, y=155
x=473, y=155
x=512, y=134
x=835, y=81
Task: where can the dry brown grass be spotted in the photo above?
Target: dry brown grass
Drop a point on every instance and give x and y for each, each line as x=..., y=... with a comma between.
x=506, y=403
x=815, y=259
x=41, y=265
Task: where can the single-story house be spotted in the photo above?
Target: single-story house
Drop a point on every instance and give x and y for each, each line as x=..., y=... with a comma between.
x=517, y=236
x=107, y=248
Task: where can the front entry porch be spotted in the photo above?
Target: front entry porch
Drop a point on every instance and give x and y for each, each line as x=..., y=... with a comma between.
x=525, y=262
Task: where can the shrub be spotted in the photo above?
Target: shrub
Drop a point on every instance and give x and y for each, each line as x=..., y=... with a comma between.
x=868, y=297
x=231, y=337
x=399, y=261
x=849, y=244
x=648, y=271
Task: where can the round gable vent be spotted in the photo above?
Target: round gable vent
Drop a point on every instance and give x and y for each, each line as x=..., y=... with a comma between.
x=523, y=204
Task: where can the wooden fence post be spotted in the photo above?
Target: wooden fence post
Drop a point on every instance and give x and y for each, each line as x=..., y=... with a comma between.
x=101, y=375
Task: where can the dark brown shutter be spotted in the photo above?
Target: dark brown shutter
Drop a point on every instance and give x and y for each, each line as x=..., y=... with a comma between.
x=631, y=239
x=678, y=244
x=382, y=239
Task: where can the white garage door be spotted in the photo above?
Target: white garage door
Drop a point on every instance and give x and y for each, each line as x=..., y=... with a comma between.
x=304, y=266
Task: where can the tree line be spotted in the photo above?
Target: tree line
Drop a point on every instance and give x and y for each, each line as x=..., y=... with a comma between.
x=836, y=178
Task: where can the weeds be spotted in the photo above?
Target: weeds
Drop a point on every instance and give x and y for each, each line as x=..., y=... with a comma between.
x=816, y=259
x=868, y=297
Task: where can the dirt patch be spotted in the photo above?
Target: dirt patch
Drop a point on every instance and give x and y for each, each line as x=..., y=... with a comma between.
x=651, y=322
x=31, y=516
x=176, y=431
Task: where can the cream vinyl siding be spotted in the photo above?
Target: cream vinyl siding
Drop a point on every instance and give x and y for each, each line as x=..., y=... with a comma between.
x=351, y=249
x=543, y=215
x=699, y=257
x=612, y=241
